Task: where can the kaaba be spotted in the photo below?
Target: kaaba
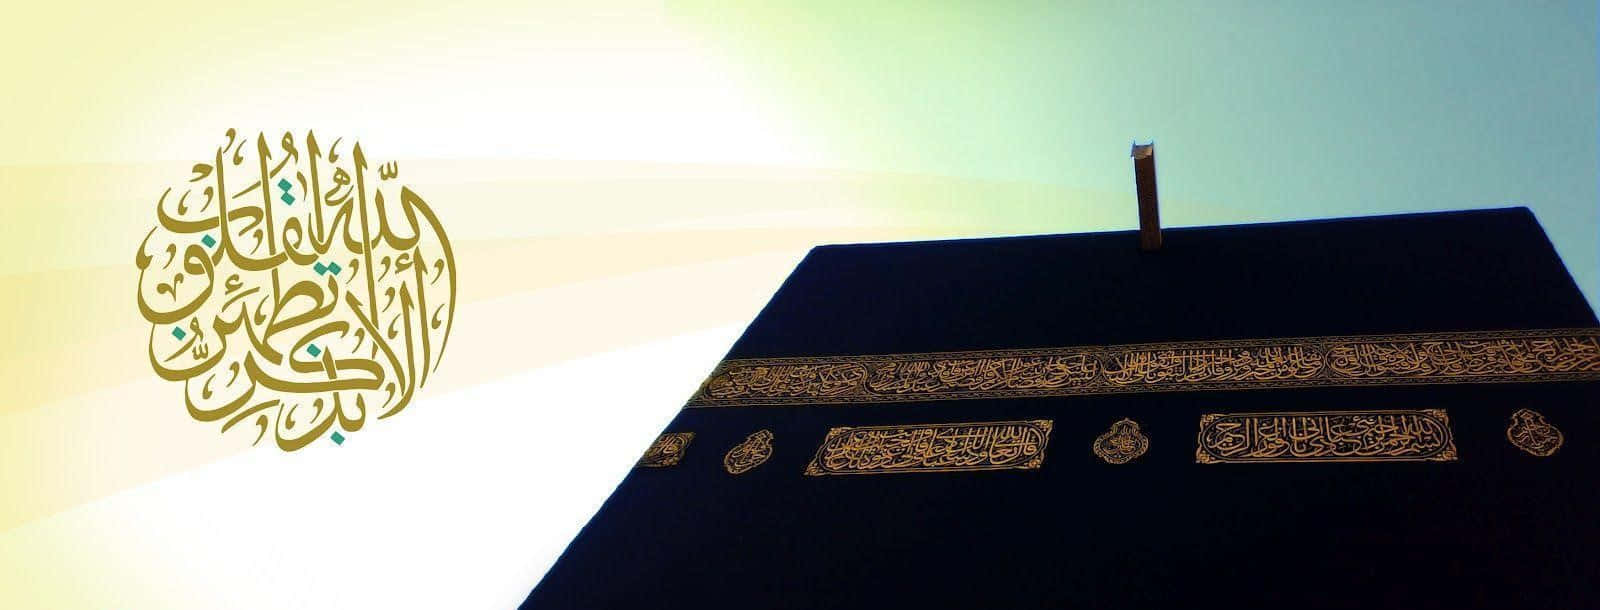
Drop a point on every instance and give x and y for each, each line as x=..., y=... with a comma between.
x=1381, y=412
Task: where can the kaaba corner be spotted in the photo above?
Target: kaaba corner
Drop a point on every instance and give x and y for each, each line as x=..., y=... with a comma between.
x=1392, y=411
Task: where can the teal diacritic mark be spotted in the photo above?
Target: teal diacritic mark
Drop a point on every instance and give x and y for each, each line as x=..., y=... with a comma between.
x=321, y=268
x=209, y=241
x=338, y=439
x=313, y=350
x=334, y=267
x=284, y=185
x=177, y=331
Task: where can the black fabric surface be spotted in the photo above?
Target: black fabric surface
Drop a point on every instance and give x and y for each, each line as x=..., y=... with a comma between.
x=1497, y=529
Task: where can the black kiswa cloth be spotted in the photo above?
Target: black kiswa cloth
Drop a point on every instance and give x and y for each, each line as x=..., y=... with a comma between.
x=1497, y=527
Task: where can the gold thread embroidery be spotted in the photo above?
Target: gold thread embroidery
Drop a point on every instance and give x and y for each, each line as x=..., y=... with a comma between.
x=667, y=450
x=1003, y=445
x=1531, y=433
x=1326, y=436
x=753, y=452
x=1122, y=443
x=1482, y=357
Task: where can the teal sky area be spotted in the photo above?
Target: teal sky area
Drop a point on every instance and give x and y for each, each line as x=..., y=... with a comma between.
x=1261, y=111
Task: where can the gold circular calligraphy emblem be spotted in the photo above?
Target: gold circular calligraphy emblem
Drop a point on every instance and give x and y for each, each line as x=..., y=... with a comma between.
x=746, y=456
x=296, y=288
x=1122, y=443
x=1531, y=433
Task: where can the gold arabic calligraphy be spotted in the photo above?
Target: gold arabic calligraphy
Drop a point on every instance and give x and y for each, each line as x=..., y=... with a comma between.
x=1484, y=357
x=1005, y=445
x=1331, y=436
x=1530, y=432
x=293, y=285
x=667, y=450
x=746, y=456
x=1122, y=443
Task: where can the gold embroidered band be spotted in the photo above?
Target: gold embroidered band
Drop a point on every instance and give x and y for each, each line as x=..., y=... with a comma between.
x=1483, y=357
x=1003, y=445
x=1326, y=436
x=666, y=451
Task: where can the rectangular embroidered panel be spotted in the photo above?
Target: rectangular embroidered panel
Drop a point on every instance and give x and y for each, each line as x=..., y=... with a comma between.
x=1326, y=436
x=667, y=450
x=1004, y=445
x=1482, y=357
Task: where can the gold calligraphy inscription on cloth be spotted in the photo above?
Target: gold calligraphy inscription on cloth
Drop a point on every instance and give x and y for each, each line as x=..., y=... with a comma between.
x=1530, y=432
x=1326, y=436
x=1003, y=445
x=1121, y=444
x=746, y=456
x=1480, y=357
x=667, y=450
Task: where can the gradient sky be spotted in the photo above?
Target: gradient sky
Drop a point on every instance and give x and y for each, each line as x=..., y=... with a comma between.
x=1261, y=110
